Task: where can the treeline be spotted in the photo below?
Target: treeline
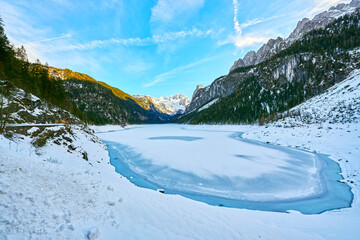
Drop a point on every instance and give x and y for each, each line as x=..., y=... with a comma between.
x=31, y=77
x=341, y=35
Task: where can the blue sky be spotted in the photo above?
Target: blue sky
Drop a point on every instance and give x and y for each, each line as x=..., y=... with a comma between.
x=152, y=47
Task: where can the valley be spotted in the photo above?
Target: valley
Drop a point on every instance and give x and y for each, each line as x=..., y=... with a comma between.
x=270, y=150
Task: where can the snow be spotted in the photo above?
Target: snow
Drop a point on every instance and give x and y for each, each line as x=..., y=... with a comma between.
x=40, y=199
x=71, y=198
x=340, y=103
x=32, y=130
x=208, y=104
x=29, y=105
x=169, y=105
x=216, y=157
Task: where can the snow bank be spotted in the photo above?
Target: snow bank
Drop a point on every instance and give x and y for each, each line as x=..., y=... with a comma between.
x=44, y=200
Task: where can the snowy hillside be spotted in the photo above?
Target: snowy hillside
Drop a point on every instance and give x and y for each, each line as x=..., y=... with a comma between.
x=338, y=104
x=48, y=192
x=170, y=105
x=57, y=182
x=27, y=108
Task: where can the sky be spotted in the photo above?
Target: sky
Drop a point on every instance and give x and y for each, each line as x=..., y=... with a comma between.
x=150, y=47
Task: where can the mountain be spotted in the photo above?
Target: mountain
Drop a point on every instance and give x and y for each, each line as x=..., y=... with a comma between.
x=21, y=107
x=74, y=94
x=169, y=105
x=304, y=26
x=102, y=103
x=338, y=104
x=312, y=64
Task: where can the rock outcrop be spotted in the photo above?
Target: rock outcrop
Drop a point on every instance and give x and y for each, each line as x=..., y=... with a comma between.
x=285, y=71
x=274, y=46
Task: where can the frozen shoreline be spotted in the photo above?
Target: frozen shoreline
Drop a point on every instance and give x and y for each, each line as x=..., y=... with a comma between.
x=329, y=195
x=69, y=198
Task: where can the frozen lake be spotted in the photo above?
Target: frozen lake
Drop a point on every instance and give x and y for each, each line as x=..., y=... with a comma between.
x=221, y=168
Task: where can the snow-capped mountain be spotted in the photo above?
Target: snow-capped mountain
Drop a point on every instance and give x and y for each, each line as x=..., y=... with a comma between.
x=170, y=105
x=274, y=46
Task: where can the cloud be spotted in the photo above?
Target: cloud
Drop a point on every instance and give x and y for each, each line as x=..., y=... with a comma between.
x=174, y=72
x=241, y=40
x=236, y=21
x=49, y=39
x=256, y=21
x=167, y=10
x=170, y=36
x=20, y=29
x=324, y=5
x=155, y=39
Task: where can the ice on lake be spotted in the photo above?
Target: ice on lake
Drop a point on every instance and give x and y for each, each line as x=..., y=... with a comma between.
x=221, y=168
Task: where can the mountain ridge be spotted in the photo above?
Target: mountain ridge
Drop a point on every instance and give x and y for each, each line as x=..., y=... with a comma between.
x=312, y=64
x=173, y=105
x=304, y=26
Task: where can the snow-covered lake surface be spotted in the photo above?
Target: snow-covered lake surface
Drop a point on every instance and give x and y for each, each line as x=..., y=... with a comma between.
x=221, y=168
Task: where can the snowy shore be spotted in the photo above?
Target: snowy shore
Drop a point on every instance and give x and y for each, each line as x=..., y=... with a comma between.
x=59, y=195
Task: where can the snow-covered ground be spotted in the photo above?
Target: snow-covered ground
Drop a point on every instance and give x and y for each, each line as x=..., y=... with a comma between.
x=66, y=197
x=220, y=164
x=338, y=104
x=27, y=108
x=53, y=192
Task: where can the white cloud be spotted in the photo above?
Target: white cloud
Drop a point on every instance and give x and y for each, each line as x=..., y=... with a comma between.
x=19, y=29
x=167, y=10
x=324, y=5
x=236, y=21
x=170, y=36
x=174, y=72
x=49, y=39
x=241, y=41
x=255, y=21
x=155, y=39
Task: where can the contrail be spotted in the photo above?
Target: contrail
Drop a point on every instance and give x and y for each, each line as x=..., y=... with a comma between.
x=49, y=39
x=236, y=21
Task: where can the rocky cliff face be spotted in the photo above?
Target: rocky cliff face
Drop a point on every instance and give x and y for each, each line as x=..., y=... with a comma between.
x=224, y=86
x=312, y=64
x=286, y=69
x=274, y=46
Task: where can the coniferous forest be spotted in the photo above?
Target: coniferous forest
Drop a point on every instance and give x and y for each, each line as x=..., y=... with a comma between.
x=95, y=102
x=323, y=57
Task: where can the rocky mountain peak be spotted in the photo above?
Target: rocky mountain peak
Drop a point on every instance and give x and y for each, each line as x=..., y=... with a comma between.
x=198, y=87
x=274, y=46
x=170, y=105
x=225, y=85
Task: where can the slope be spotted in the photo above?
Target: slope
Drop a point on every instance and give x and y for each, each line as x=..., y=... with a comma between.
x=76, y=93
x=311, y=65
